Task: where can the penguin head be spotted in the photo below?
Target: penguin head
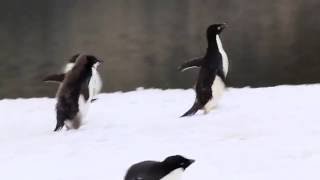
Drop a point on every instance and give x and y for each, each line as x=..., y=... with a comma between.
x=74, y=58
x=88, y=61
x=178, y=161
x=214, y=30
x=71, y=62
x=93, y=61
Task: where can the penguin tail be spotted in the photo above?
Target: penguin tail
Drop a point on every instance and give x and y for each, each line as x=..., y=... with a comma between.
x=59, y=126
x=196, y=106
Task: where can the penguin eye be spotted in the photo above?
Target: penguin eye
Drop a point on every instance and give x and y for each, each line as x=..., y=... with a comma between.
x=182, y=164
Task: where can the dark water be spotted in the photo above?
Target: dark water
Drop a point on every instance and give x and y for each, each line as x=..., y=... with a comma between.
x=269, y=42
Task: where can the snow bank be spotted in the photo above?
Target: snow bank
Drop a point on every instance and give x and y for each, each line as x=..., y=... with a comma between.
x=255, y=134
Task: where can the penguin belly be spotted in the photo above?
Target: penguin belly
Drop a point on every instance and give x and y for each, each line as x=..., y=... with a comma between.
x=95, y=84
x=217, y=88
x=173, y=175
x=83, y=106
x=225, y=61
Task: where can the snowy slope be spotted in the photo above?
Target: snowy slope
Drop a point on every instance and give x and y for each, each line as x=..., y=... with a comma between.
x=255, y=134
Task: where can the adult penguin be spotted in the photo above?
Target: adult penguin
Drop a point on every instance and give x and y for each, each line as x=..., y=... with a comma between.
x=213, y=71
x=171, y=168
x=74, y=94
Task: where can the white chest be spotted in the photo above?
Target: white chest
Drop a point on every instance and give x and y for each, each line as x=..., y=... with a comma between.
x=83, y=106
x=95, y=83
x=174, y=175
x=225, y=61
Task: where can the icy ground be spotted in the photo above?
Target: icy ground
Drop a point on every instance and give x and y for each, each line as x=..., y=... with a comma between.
x=255, y=134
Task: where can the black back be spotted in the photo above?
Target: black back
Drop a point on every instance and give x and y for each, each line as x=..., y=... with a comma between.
x=154, y=170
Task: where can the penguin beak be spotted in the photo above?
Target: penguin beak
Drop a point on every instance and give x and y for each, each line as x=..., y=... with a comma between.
x=192, y=161
x=100, y=61
x=223, y=25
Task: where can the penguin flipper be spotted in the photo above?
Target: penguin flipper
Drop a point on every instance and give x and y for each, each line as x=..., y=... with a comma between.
x=196, y=106
x=197, y=62
x=56, y=78
x=93, y=100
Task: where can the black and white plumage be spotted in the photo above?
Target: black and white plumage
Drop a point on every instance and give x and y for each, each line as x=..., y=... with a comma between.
x=171, y=168
x=74, y=94
x=213, y=71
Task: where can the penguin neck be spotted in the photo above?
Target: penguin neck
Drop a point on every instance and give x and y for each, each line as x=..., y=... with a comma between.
x=213, y=44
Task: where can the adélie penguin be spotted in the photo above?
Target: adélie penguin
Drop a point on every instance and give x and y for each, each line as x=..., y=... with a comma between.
x=213, y=66
x=74, y=96
x=171, y=168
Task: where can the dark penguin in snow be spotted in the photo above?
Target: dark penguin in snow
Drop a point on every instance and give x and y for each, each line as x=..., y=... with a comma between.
x=171, y=168
x=74, y=94
x=95, y=82
x=213, y=71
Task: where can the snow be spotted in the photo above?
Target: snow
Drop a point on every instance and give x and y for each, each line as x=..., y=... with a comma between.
x=254, y=134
